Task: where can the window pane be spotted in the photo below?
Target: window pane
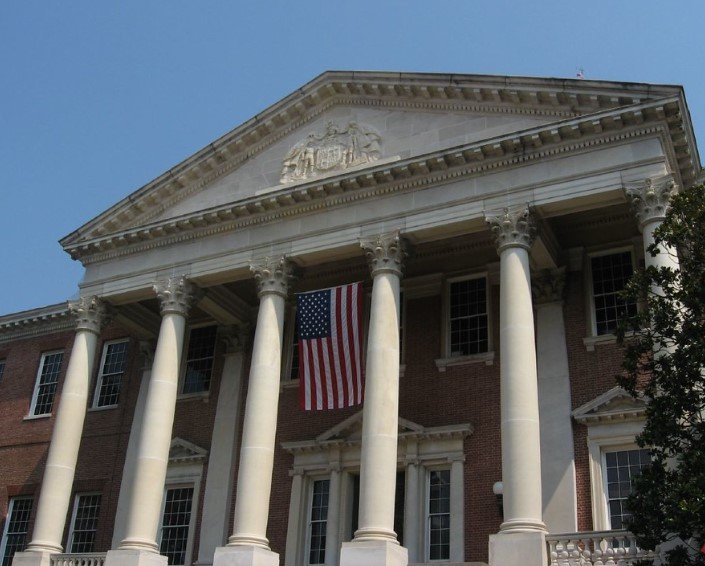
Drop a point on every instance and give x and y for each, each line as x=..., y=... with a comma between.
x=199, y=359
x=610, y=274
x=2, y=368
x=439, y=515
x=318, y=522
x=46, y=385
x=85, y=523
x=16, y=528
x=468, y=317
x=622, y=467
x=175, y=524
x=111, y=374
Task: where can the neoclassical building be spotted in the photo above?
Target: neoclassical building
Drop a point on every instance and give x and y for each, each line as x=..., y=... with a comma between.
x=493, y=222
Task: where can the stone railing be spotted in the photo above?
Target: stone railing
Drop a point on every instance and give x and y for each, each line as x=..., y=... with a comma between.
x=604, y=548
x=88, y=559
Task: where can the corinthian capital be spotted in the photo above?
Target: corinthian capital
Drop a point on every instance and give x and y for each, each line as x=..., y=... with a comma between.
x=91, y=313
x=513, y=227
x=272, y=275
x=176, y=295
x=547, y=285
x=385, y=253
x=650, y=198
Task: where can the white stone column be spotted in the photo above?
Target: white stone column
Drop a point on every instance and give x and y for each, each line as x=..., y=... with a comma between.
x=333, y=517
x=248, y=545
x=521, y=539
x=215, y=519
x=296, y=518
x=457, y=513
x=139, y=547
x=558, y=458
x=650, y=199
x=128, y=470
x=57, y=483
x=375, y=541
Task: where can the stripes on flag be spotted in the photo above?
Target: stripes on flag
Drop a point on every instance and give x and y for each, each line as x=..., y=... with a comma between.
x=329, y=324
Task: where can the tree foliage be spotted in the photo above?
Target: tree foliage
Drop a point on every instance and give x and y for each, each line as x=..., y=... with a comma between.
x=665, y=361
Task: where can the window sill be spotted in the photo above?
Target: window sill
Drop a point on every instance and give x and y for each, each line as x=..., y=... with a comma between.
x=485, y=357
x=36, y=417
x=592, y=341
x=102, y=408
x=201, y=395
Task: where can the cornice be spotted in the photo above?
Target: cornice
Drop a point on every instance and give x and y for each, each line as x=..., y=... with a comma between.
x=438, y=167
x=479, y=93
x=35, y=322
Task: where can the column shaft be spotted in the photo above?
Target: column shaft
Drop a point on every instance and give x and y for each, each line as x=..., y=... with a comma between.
x=57, y=483
x=333, y=520
x=155, y=438
x=378, y=462
x=457, y=522
x=412, y=520
x=254, y=483
x=521, y=452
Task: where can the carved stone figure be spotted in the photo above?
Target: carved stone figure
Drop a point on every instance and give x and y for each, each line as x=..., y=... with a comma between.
x=335, y=149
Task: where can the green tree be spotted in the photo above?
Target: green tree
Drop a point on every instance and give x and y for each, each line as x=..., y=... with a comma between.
x=665, y=360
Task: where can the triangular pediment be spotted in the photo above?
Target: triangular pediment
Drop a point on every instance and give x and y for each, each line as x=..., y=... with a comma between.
x=343, y=122
x=351, y=429
x=614, y=405
x=182, y=451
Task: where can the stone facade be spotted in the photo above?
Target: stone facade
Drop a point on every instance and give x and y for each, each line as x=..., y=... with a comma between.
x=464, y=194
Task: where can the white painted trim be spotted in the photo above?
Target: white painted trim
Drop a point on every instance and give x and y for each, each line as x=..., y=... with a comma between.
x=35, y=393
x=101, y=374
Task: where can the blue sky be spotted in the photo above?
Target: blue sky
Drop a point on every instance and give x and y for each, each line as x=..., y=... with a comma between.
x=98, y=98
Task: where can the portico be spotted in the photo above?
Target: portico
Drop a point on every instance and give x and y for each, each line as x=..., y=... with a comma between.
x=227, y=238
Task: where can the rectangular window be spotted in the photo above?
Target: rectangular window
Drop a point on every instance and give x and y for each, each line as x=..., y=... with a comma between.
x=468, y=317
x=294, y=368
x=16, y=528
x=2, y=369
x=176, y=521
x=84, y=523
x=438, y=524
x=621, y=467
x=318, y=520
x=47, y=380
x=112, y=370
x=199, y=359
x=610, y=274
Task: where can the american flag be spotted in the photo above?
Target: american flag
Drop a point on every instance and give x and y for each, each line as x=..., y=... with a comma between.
x=329, y=324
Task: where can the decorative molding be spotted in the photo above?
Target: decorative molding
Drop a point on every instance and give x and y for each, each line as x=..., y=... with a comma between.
x=613, y=405
x=411, y=174
x=548, y=286
x=336, y=149
x=650, y=198
x=513, y=228
x=35, y=322
x=184, y=452
x=272, y=275
x=385, y=253
x=176, y=295
x=90, y=313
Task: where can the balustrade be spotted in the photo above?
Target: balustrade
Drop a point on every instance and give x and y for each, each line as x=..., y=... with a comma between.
x=599, y=548
x=88, y=559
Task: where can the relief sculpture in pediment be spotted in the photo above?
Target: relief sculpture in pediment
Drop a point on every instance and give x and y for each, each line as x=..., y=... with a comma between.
x=336, y=149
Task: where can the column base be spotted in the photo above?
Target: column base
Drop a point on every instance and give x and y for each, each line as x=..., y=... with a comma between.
x=245, y=555
x=32, y=558
x=373, y=553
x=518, y=549
x=129, y=557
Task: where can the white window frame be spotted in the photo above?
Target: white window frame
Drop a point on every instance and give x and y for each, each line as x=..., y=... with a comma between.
x=427, y=512
x=591, y=291
x=447, y=359
x=10, y=508
x=72, y=525
x=184, y=360
x=35, y=393
x=101, y=373
x=183, y=475
x=309, y=498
